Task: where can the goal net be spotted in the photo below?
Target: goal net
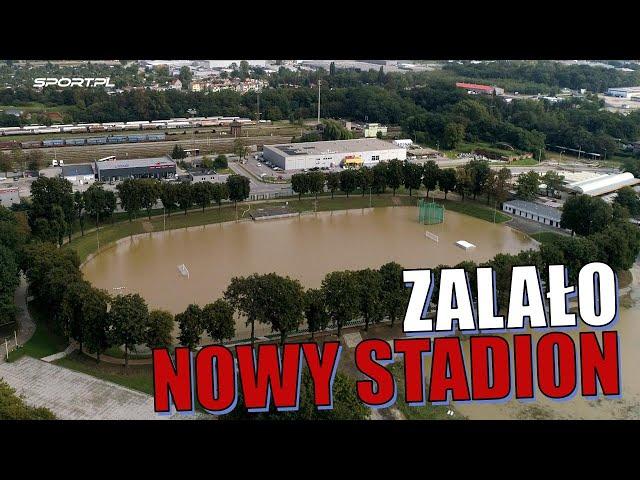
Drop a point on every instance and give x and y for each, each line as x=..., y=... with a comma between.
x=183, y=270
x=432, y=236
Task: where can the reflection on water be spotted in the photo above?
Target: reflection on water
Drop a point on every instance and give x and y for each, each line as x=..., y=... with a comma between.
x=306, y=248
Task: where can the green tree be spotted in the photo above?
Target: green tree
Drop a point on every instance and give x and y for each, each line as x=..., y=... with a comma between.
x=159, y=332
x=341, y=294
x=218, y=321
x=370, y=296
x=178, y=153
x=586, y=215
x=97, y=322
x=315, y=311
x=240, y=149
x=78, y=205
x=71, y=315
x=300, y=184
x=169, y=196
x=185, y=76
x=219, y=192
x=394, y=174
x=380, y=177
x=431, y=176
x=365, y=179
x=527, y=185
x=316, y=183
x=242, y=295
x=191, y=326
x=129, y=318
x=480, y=172
x=238, y=187
x=202, y=194
x=394, y=294
x=149, y=194
x=99, y=203
x=281, y=302
x=412, y=176
x=553, y=181
x=130, y=195
x=447, y=180
x=333, y=182
x=453, y=135
x=184, y=196
x=628, y=198
x=348, y=181
x=221, y=162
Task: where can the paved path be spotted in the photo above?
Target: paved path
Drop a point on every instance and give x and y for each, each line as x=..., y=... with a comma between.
x=72, y=395
x=26, y=325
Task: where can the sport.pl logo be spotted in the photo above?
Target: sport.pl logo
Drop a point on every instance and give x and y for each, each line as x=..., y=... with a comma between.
x=73, y=82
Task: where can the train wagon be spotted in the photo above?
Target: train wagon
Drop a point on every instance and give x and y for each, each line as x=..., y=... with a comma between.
x=75, y=141
x=31, y=144
x=53, y=143
x=96, y=140
x=9, y=145
x=73, y=129
x=137, y=138
x=117, y=139
x=156, y=137
x=97, y=128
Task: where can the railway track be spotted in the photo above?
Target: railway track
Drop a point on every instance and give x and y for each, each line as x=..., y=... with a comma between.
x=90, y=153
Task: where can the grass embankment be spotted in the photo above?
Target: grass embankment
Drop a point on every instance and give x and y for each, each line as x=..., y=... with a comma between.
x=136, y=377
x=546, y=237
x=423, y=412
x=475, y=210
x=44, y=342
x=112, y=232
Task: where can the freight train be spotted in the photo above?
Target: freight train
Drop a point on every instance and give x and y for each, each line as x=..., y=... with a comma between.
x=103, y=140
x=172, y=123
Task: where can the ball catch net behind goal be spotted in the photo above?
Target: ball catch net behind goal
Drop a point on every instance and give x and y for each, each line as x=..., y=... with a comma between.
x=430, y=213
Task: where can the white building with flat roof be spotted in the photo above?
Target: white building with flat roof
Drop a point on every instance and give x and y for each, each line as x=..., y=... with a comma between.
x=624, y=92
x=534, y=211
x=361, y=151
x=604, y=184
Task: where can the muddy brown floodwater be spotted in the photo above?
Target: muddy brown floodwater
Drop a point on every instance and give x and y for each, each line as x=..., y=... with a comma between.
x=305, y=248
x=309, y=247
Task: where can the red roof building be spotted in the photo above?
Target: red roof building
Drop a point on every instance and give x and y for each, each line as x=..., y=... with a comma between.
x=474, y=87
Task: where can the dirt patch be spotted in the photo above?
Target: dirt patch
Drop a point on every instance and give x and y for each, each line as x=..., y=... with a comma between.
x=147, y=226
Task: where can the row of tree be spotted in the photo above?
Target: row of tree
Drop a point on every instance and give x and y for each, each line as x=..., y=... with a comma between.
x=13, y=234
x=284, y=305
x=89, y=315
x=473, y=179
x=54, y=209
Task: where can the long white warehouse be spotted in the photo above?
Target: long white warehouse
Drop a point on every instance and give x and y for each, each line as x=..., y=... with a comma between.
x=357, y=152
x=604, y=184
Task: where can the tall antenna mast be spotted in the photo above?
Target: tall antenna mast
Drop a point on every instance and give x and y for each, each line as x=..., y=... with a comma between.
x=319, y=100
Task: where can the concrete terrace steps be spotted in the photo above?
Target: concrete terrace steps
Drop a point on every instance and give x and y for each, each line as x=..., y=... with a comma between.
x=72, y=395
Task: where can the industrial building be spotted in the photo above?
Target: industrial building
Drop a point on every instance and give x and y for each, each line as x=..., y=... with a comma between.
x=81, y=174
x=533, y=211
x=358, y=152
x=159, y=167
x=603, y=184
x=9, y=196
x=484, y=89
x=624, y=92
